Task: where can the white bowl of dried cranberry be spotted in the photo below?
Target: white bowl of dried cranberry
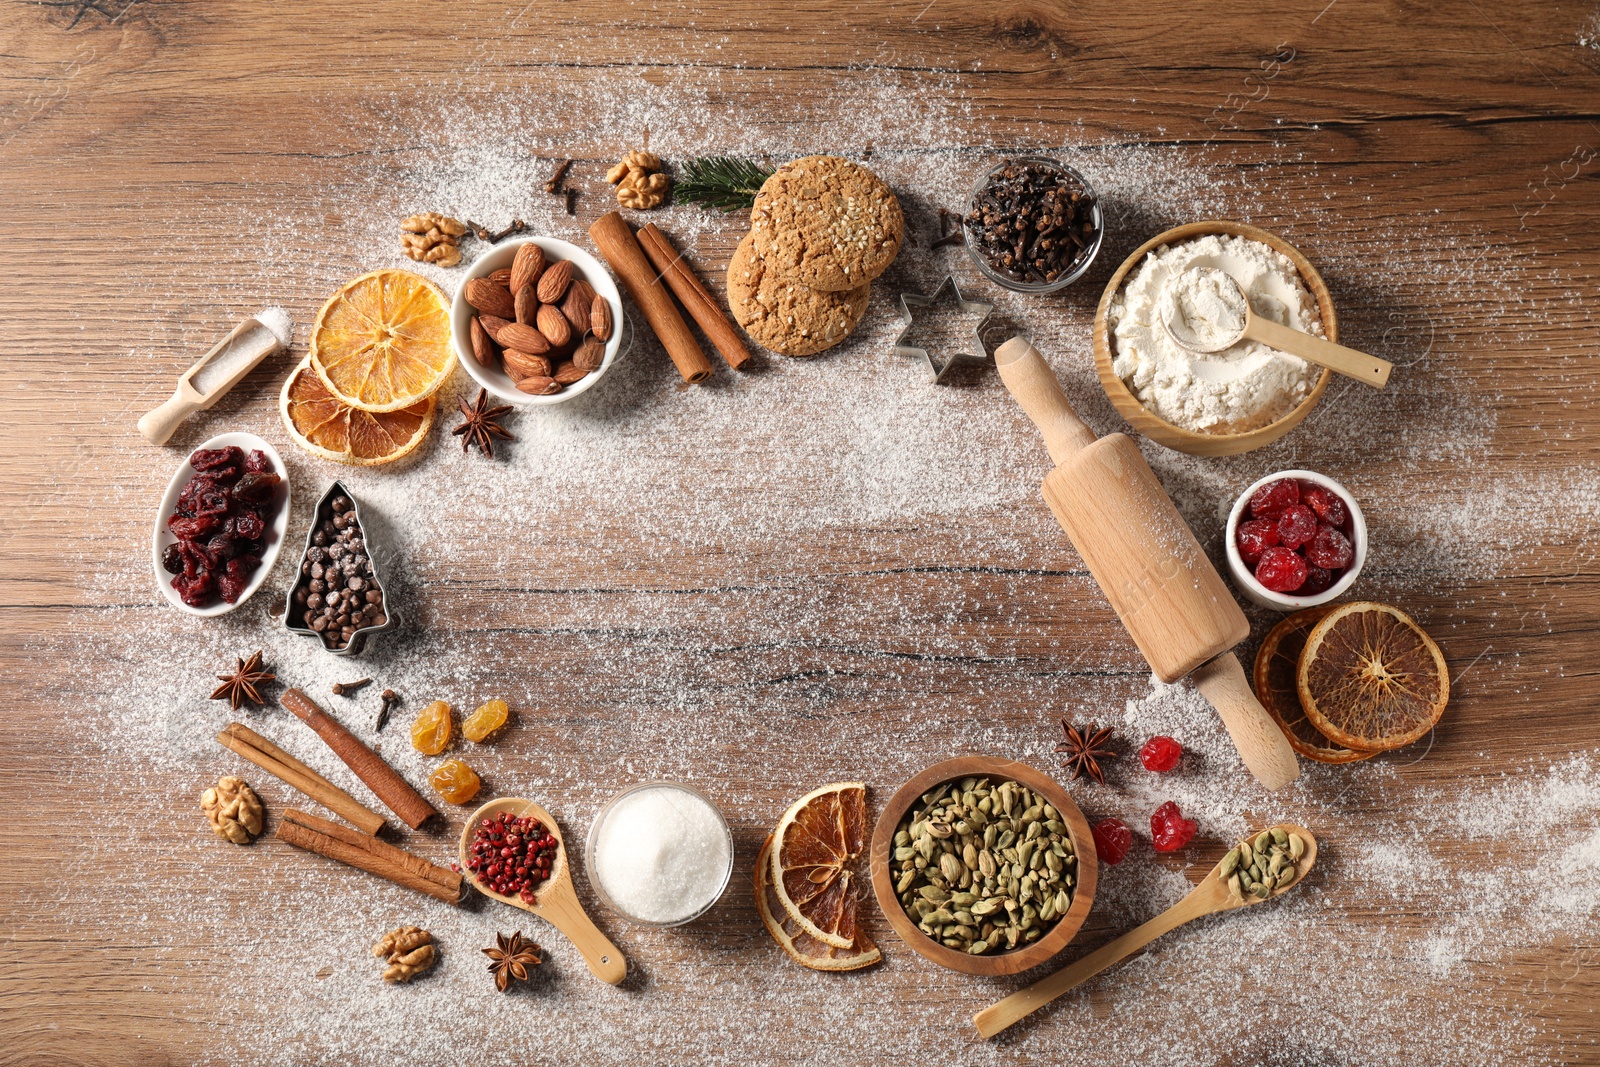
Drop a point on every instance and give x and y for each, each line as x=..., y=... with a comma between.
x=493, y=375
x=1296, y=539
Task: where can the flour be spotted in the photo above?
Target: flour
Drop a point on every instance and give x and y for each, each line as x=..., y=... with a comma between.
x=1239, y=388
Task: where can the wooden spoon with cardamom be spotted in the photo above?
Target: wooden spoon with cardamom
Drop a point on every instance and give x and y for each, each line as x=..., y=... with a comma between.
x=1227, y=887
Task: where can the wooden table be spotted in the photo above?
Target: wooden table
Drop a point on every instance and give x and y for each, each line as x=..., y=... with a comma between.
x=757, y=610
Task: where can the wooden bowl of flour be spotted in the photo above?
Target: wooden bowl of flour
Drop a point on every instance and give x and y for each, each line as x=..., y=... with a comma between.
x=1160, y=430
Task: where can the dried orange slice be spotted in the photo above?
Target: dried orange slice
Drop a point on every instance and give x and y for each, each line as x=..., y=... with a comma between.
x=1370, y=678
x=815, y=849
x=1277, y=674
x=382, y=342
x=323, y=426
x=801, y=946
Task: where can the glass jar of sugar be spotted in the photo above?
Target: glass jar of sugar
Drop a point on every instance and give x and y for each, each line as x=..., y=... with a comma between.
x=659, y=853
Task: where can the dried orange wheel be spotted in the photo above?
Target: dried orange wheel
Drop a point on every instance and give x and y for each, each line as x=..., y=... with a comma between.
x=430, y=734
x=382, y=342
x=485, y=721
x=801, y=946
x=1277, y=675
x=1370, y=678
x=323, y=426
x=456, y=782
x=816, y=846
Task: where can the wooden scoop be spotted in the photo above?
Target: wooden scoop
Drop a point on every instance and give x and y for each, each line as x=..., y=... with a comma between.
x=1159, y=580
x=557, y=899
x=1213, y=894
x=218, y=371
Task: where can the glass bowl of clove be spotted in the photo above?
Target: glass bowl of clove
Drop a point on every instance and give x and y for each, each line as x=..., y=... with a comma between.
x=1032, y=224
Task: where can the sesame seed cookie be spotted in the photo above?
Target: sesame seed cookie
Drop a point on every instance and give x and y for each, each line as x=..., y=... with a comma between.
x=787, y=318
x=827, y=223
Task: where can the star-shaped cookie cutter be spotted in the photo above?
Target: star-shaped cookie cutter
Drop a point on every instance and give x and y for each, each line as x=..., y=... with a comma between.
x=938, y=371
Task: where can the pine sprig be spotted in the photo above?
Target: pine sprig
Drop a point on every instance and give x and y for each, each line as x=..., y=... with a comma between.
x=726, y=182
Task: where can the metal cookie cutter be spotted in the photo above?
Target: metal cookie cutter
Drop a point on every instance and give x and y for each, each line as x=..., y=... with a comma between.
x=938, y=370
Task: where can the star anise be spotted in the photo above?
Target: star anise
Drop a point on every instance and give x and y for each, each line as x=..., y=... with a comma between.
x=1085, y=749
x=240, y=686
x=482, y=427
x=512, y=957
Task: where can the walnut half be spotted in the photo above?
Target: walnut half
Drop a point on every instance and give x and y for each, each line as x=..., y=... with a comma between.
x=640, y=183
x=234, y=810
x=432, y=238
x=408, y=950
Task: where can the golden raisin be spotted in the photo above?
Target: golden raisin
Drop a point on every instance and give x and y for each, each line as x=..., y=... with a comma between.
x=430, y=734
x=455, y=781
x=485, y=721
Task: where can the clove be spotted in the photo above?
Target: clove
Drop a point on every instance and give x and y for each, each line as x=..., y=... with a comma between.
x=344, y=689
x=554, y=184
x=391, y=700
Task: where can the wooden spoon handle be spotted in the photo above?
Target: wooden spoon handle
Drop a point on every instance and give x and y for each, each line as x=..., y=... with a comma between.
x=1346, y=361
x=1202, y=900
x=1036, y=387
x=1260, y=743
x=563, y=911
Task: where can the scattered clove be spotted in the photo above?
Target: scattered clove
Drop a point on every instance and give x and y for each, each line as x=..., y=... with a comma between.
x=391, y=700
x=482, y=232
x=554, y=184
x=344, y=689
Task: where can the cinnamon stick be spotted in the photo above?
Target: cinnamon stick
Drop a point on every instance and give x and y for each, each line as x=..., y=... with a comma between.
x=693, y=295
x=398, y=856
x=356, y=856
x=384, y=781
x=250, y=745
x=617, y=243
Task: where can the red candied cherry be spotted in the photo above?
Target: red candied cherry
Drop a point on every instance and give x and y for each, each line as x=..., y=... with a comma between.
x=1326, y=503
x=1330, y=549
x=1296, y=526
x=1318, y=580
x=1169, y=830
x=1281, y=570
x=1255, y=536
x=1271, y=499
x=1160, y=754
x=1112, y=839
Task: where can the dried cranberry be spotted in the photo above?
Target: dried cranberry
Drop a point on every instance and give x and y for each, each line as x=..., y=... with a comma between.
x=1112, y=839
x=257, y=462
x=222, y=547
x=1271, y=499
x=196, y=591
x=1169, y=830
x=231, y=589
x=1318, y=580
x=1281, y=570
x=172, y=559
x=1326, y=503
x=256, y=488
x=1330, y=549
x=213, y=500
x=241, y=567
x=1296, y=526
x=1160, y=754
x=194, y=527
x=1254, y=537
x=206, y=459
x=249, y=526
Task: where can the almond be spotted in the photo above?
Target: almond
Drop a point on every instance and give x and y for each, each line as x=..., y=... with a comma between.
x=527, y=267
x=554, y=326
x=522, y=338
x=492, y=324
x=569, y=372
x=579, y=298
x=554, y=281
x=600, y=318
x=589, y=355
x=491, y=298
x=527, y=305
x=501, y=277
x=539, y=385
x=483, y=347
x=525, y=365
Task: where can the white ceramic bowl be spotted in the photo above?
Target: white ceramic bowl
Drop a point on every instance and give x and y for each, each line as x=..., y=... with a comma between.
x=1259, y=593
x=169, y=502
x=500, y=256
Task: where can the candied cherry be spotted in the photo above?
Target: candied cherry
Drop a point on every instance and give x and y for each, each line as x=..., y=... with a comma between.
x=430, y=734
x=1271, y=499
x=1296, y=526
x=1330, y=549
x=1160, y=754
x=1281, y=570
x=1112, y=839
x=1326, y=503
x=1169, y=830
x=1318, y=580
x=485, y=721
x=1254, y=537
x=456, y=782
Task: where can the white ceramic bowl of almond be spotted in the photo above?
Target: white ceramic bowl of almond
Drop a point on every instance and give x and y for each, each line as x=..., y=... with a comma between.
x=582, y=313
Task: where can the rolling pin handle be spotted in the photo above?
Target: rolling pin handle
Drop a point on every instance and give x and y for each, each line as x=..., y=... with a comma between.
x=1261, y=744
x=1036, y=387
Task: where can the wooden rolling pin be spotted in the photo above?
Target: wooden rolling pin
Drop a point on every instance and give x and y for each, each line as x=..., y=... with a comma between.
x=1160, y=582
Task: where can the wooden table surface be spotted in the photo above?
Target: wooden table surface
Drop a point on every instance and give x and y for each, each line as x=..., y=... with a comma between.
x=753, y=586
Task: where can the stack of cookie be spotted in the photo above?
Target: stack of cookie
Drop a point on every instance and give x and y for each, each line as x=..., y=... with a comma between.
x=821, y=229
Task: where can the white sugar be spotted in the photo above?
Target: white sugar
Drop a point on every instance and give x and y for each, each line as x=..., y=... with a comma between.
x=662, y=854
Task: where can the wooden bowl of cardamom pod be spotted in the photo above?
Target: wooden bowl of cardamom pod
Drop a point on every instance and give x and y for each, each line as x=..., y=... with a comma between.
x=984, y=865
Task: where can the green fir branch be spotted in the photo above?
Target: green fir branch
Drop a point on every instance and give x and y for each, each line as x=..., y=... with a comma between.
x=726, y=182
